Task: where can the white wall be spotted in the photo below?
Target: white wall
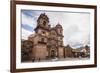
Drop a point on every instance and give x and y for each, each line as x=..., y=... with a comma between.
x=5, y=35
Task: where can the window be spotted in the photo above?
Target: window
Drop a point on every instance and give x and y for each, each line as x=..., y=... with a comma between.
x=42, y=39
x=43, y=32
x=44, y=23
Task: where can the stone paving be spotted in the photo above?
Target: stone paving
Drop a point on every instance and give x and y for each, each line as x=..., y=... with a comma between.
x=63, y=59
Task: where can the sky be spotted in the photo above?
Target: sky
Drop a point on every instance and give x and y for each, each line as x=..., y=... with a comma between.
x=76, y=25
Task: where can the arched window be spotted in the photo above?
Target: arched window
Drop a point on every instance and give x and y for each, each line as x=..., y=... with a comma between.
x=43, y=32
x=42, y=39
x=44, y=23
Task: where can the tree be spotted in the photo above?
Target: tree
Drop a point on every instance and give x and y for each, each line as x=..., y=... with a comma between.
x=26, y=50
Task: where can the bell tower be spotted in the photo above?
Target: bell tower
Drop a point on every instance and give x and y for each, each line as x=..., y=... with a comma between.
x=59, y=30
x=41, y=37
x=42, y=22
x=60, y=36
x=42, y=28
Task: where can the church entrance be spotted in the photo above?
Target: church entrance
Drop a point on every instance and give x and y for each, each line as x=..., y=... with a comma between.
x=53, y=53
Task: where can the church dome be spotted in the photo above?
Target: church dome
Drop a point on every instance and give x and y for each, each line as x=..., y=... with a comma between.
x=58, y=26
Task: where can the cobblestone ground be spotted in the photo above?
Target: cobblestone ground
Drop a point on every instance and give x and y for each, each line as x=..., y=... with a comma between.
x=63, y=59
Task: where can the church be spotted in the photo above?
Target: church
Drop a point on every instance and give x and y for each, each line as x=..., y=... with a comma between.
x=47, y=43
x=47, y=40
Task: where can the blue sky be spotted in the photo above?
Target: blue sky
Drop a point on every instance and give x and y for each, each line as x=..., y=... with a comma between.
x=76, y=28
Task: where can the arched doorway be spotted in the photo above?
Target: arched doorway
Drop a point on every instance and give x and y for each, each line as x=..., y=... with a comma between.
x=53, y=53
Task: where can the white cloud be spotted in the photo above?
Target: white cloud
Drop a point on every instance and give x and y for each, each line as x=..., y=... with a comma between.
x=28, y=20
x=25, y=34
x=75, y=26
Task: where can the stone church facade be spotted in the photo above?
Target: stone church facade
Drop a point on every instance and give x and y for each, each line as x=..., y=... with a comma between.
x=47, y=40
